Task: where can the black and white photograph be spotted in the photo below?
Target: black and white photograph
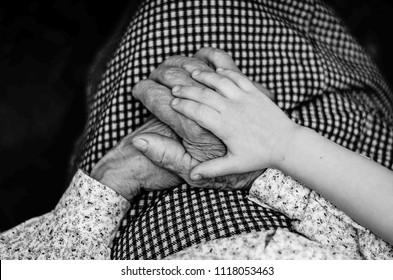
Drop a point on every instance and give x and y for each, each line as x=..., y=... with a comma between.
x=196, y=130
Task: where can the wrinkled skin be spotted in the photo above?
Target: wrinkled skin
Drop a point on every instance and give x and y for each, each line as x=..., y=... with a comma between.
x=128, y=171
x=199, y=144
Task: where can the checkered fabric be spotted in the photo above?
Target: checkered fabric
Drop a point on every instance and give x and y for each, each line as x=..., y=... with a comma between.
x=298, y=49
x=166, y=222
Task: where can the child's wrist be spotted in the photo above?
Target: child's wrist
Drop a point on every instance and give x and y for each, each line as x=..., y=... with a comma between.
x=287, y=145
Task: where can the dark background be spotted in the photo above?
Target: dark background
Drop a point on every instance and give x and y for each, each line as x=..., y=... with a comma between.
x=45, y=53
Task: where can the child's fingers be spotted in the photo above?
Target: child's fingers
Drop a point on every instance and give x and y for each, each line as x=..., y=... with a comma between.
x=238, y=78
x=202, y=95
x=221, y=84
x=214, y=168
x=202, y=114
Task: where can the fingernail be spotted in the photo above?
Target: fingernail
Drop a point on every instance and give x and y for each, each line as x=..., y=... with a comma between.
x=176, y=89
x=196, y=72
x=140, y=144
x=175, y=102
x=219, y=69
x=196, y=177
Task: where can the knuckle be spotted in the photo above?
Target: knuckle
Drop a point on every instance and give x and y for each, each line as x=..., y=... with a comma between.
x=185, y=64
x=174, y=60
x=156, y=72
x=193, y=60
x=179, y=61
x=205, y=49
x=217, y=54
x=172, y=74
x=168, y=74
x=210, y=50
x=193, y=63
x=139, y=89
x=150, y=95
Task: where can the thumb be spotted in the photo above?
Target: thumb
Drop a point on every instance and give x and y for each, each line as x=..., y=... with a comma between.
x=214, y=168
x=164, y=152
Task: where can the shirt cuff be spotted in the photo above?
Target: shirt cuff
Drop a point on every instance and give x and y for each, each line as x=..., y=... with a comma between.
x=92, y=208
x=281, y=193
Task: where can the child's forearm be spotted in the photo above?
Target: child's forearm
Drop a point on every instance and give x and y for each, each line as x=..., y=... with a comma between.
x=358, y=186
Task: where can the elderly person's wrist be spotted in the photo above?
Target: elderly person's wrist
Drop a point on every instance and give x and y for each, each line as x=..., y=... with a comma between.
x=110, y=178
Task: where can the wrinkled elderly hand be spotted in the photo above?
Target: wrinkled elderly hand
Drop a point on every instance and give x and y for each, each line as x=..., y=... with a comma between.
x=128, y=171
x=199, y=144
x=172, y=155
x=155, y=94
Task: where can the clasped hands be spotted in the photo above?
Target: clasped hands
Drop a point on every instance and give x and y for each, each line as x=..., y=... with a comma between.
x=176, y=144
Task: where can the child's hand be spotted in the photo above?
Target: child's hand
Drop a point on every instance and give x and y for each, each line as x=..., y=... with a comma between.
x=252, y=127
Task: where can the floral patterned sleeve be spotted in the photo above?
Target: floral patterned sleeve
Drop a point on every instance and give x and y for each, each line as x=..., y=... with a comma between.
x=81, y=226
x=316, y=218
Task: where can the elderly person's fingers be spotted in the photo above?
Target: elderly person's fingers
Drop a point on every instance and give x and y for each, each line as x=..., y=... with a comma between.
x=152, y=125
x=154, y=96
x=216, y=58
x=165, y=152
x=127, y=171
x=189, y=64
x=176, y=71
x=157, y=99
x=170, y=76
